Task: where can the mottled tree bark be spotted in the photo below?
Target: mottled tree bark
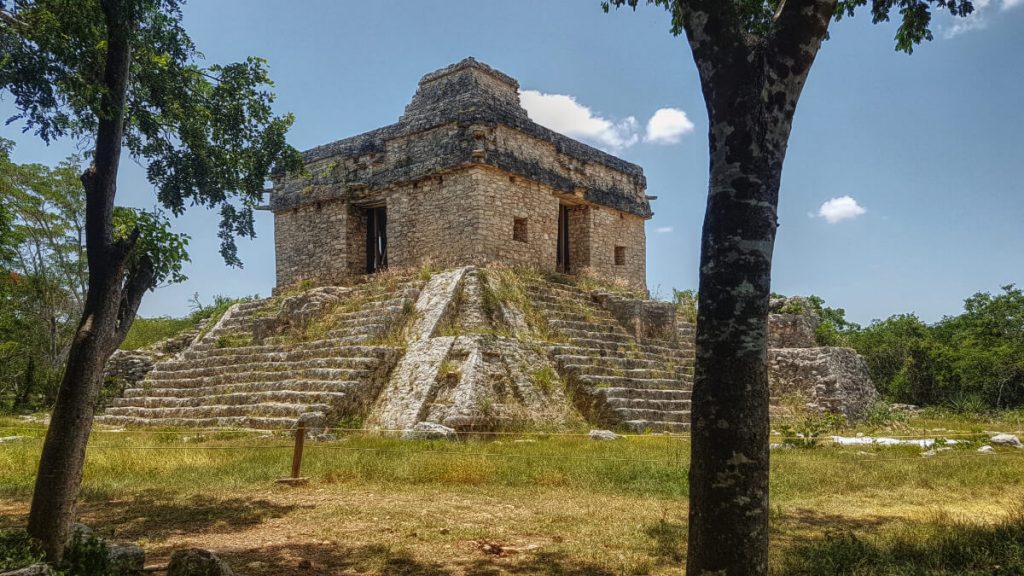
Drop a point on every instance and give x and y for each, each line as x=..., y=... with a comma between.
x=751, y=85
x=112, y=299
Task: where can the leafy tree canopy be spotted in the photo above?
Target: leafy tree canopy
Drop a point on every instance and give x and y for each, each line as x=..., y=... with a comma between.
x=207, y=134
x=757, y=16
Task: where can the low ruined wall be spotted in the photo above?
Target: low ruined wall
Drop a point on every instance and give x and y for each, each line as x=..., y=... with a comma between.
x=792, y=330
x=826, y=379
x=641, y=318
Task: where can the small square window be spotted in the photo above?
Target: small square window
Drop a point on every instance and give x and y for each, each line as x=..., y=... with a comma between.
x=620, y=255
x=519, y=230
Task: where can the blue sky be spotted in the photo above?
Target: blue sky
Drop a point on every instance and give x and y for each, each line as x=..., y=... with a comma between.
x=928, y=148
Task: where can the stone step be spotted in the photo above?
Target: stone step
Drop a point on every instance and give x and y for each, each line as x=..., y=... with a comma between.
x=632, y=414
x=620, y=382
x=674, y=394
x=600, y=327
x=365, y=315
x=256, y=422
x=263, y=409
x=619, y=404
x=173, y=369
x=611, y=362
x=259, y=376
x=329, y=347
x=594, y=370
x=368, y=328
x=236, y=398
x=340, y=386
x=572, y=349
x=629, y=346
x=656, y=426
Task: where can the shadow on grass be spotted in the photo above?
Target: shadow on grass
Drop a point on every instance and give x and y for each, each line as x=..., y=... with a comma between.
x=156, y=515
x=941, y=547
x=669, y=541
x=315, y=559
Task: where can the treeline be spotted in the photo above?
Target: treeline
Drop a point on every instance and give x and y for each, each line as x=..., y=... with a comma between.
x=42, y=276
x=970, y=362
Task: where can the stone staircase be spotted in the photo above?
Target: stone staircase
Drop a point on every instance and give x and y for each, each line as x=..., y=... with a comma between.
x=225, y=380
x=615, y=378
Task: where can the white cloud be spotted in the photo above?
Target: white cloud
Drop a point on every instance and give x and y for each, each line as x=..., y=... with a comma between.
x=562, y=113
x=667, y=126
x=663, y=229
x=977, y=20
x=839, y=209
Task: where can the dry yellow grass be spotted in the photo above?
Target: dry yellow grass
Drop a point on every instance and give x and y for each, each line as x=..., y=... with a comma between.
x=513, y=505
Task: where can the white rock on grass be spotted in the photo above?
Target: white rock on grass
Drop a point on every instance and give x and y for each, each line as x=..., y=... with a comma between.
x=430, y=431
x=604, y=435
x=986, y=449
x=1007, y=439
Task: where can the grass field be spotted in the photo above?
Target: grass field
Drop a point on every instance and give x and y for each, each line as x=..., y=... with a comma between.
x=534, y=504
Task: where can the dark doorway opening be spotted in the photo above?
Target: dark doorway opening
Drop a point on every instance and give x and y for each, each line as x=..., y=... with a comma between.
x=376, y=239
x=562, y=260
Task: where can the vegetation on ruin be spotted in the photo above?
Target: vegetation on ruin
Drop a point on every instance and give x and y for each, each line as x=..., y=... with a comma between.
x=559, y=503
x=148, y=331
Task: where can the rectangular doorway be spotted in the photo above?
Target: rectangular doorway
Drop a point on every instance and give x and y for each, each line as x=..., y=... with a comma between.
x=562, y=260
x=376, y=239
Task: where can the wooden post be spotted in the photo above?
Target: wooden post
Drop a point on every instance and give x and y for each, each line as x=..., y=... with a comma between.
x=300, y=440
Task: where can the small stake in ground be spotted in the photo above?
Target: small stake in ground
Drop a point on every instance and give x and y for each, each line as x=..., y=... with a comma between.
x=300, y=440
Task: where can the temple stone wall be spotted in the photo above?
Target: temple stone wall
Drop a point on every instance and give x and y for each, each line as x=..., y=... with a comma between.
x=611, y=230
x=433, y=219
x=503, y=199
x=310, y=243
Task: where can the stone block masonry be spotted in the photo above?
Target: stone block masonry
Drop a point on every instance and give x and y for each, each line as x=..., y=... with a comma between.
x=464, y=177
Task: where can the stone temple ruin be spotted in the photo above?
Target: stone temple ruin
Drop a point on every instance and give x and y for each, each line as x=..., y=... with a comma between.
x=464, y=177
x=465, y=267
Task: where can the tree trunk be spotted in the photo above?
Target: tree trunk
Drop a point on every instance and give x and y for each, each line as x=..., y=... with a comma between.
x=110, y=305
x=751, y=86
x=728, y=526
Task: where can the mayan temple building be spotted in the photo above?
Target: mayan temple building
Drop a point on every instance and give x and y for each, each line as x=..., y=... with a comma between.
x=464, y=177
x=497, y=333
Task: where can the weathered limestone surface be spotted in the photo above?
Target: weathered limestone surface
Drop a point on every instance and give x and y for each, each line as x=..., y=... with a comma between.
x=435, y=302
x=455, y=174
x=472, y=382
x=792, y=330
x=826, y=379
x=407, y=394
x=817, y=378
x=641, y=318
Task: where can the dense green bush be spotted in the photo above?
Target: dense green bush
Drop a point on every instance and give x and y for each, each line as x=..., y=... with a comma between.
x=968, y=362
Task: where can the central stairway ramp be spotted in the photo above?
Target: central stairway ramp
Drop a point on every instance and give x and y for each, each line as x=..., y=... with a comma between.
x=226, y=379
x=618, y=380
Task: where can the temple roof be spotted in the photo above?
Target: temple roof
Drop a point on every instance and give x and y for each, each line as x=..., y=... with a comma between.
x=467, y=93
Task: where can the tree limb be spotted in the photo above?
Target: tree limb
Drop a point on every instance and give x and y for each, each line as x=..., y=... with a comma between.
x=140, y=278
x=797, y=32
x=10, y=19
